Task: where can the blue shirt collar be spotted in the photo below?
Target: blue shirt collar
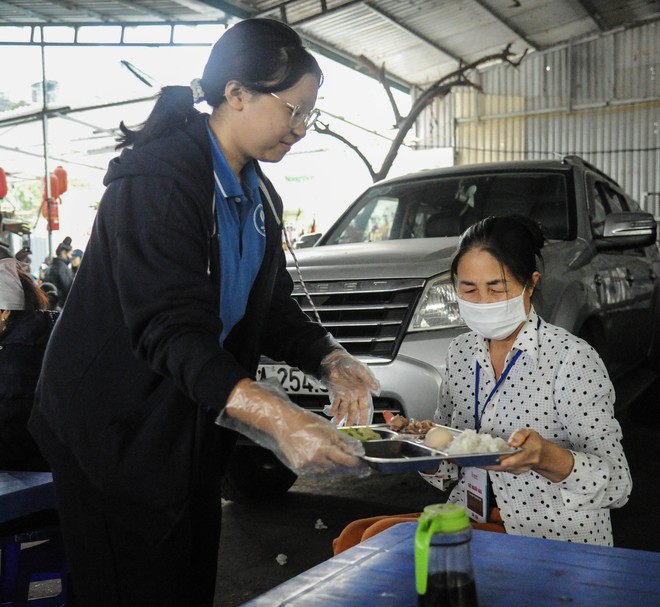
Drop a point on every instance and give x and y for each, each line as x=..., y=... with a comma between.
x=229, y=185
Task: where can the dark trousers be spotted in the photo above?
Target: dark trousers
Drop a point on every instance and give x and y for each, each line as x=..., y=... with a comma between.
x=112, y=567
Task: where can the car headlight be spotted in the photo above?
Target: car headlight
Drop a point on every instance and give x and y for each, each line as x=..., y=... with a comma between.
x=437, y=308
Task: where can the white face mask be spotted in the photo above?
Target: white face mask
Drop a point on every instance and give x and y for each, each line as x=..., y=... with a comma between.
x=494, y=320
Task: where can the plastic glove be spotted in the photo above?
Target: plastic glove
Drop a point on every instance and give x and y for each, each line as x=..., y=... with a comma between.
x=303, y=441
x=351, y=384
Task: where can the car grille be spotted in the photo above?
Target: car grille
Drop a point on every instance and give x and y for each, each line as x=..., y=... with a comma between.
x=367, y=317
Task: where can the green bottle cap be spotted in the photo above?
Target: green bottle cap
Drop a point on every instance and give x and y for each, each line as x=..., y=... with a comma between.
x=436, y=518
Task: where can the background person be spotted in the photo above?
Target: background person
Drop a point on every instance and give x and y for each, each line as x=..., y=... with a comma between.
x=50, y=290
x=76, y=258
x=58, y=272
x=25, y=326
x=184, y=286
x=25, y=261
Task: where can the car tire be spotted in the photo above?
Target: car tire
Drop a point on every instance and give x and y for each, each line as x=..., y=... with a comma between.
x=254, y=474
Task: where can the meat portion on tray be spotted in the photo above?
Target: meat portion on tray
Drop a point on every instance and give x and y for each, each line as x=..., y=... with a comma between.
x=403, y=425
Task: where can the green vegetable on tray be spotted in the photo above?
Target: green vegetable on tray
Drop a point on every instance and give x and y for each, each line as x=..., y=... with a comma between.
x=362, y=433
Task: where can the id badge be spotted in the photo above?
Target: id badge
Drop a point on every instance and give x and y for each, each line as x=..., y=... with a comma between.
x=476, y=494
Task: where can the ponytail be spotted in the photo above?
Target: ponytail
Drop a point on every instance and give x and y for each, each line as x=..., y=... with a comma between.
x=173, y=109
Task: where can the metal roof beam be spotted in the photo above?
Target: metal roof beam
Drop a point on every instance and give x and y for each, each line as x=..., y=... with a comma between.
x=590, y=8
x=508, y=23
x=78, y=24
x=322, y=12
x=351, y=61
x=133, y=6
x=385, y=15
x=120, y=40
x=193, y=5
x=28, y=11
x=77, y=7
x=229, y=8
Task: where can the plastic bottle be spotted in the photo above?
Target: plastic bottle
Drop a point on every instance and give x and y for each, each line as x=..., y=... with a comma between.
x=443, y=561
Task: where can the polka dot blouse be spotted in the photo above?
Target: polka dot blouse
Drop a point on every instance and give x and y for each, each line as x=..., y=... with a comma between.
x=560, y=388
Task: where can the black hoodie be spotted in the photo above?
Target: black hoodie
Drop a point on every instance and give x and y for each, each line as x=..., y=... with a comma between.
x=134, y=368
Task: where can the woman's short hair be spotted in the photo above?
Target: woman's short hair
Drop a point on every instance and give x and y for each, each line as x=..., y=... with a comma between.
x=514, y=241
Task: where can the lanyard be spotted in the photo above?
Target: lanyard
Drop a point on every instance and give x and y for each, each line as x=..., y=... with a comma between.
x=500, y=381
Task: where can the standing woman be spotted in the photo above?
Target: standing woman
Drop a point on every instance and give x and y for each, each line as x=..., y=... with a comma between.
x=59, y=272
x=150, y=369
x=517, y=377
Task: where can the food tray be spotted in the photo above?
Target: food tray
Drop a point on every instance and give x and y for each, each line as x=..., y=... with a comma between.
x=399, y=453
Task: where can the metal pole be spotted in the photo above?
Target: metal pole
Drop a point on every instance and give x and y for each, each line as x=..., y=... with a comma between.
x=44, y=128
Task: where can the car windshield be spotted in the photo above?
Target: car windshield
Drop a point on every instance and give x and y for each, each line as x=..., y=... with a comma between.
x=445, y=206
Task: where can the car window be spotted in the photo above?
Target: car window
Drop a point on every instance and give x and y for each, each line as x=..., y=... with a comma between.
x=614, y=201
x=447, y=205
x=597, y=213
x=604, y=200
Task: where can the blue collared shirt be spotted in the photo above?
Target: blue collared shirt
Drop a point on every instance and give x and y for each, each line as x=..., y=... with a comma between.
x=241, y=235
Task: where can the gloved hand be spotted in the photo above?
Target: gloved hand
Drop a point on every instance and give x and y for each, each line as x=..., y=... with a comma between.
x=351, y=385
x=303, y=441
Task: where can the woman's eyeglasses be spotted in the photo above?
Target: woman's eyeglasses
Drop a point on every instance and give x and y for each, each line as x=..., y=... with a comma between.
x=300, y=114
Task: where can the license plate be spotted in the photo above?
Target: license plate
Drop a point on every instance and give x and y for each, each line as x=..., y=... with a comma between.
x=293, y=380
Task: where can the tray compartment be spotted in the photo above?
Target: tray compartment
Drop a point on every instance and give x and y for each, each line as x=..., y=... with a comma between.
x=396, y=449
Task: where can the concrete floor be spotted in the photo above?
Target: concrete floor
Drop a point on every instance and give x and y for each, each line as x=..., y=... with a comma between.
x=303, y=523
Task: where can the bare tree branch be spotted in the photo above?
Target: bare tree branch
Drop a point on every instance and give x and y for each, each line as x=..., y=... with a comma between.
x=324, y=129
x=440, y=88
x=381, y=76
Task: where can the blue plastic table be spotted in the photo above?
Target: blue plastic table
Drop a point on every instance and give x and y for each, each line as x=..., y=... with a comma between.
x=510, y=571
x=22, y=493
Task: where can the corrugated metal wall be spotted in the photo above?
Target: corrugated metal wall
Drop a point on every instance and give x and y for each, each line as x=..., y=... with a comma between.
x=598, y=98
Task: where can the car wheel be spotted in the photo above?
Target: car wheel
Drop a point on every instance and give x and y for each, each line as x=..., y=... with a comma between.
x=255, y=474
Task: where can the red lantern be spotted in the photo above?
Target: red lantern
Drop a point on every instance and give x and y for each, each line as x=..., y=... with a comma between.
x=3, y=183
x=62, y=180
x=54, y=186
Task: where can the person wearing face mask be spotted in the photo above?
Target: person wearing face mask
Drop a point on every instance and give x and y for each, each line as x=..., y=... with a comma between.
x=533, y=384
x=150, y=372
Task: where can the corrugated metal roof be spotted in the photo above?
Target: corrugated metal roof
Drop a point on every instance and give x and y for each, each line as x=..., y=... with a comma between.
x=418, y=41
x=106, y=11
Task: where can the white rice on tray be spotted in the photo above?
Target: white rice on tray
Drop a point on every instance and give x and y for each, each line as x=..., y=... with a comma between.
x=469, y=441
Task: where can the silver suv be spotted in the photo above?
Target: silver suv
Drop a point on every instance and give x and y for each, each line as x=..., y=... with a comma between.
x=379, y=278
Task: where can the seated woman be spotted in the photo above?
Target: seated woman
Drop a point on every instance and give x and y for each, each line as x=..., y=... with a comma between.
x=517, y=377
x=25, y=326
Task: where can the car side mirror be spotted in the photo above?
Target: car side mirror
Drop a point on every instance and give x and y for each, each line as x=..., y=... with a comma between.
x=627, y=231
